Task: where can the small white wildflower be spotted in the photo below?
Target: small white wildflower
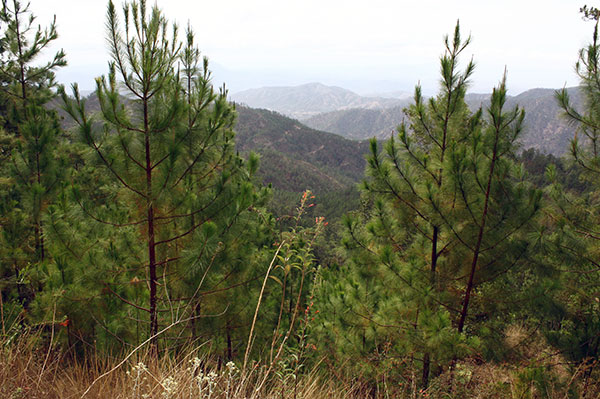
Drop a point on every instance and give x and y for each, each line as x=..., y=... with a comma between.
x=232, y=371
x=211, y=380
x=231, y=367
x=170, y=386
x=195, y=365
x=140, y=367
x=137, y=371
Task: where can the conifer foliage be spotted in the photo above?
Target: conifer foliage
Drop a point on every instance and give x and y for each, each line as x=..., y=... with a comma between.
x=31, y=167
x=575, y=241
x=143, y=225
x=448, y=220
x=164, y=140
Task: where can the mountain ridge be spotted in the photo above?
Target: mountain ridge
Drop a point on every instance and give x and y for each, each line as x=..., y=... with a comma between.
x=304, y=101
x=544, y=128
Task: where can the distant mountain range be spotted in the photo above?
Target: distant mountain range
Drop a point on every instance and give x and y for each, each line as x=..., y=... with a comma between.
x=336, y=110
x=545, y=130
x=304, y=101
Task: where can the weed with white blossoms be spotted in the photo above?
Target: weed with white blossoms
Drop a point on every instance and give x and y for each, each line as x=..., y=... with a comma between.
x=208, y=382
x=194, y=381
x=169, y=387
x=193, y=369
x=232, y=372
x=138, y=372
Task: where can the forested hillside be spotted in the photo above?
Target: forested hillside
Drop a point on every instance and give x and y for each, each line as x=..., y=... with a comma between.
x=545, y=130
x=159, y=241
x=339, y=161
x=295, y=158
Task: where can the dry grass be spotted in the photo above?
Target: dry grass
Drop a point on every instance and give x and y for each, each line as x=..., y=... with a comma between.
x=29, y=370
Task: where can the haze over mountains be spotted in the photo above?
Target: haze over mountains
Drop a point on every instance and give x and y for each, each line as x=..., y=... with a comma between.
x=304, y=101
x=337, y=110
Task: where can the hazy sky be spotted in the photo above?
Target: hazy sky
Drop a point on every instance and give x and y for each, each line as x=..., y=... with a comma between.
x=367, y=46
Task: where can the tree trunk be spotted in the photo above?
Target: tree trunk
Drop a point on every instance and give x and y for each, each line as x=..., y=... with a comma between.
x=229, y=346
x=426, y=367
x=432, y=281
x=477, y=250
x=151, y=239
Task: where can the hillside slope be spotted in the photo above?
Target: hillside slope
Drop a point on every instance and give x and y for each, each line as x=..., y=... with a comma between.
x=545, y=130
x=295, y=157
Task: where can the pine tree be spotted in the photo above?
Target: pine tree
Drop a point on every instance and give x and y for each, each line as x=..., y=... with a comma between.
x=399, y=259
x=449, y=217
x=494, y=198
x=166, y=141
x=30, y=138
x=575, y=243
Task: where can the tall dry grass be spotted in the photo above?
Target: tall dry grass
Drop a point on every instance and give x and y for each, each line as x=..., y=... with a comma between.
x=30, y=369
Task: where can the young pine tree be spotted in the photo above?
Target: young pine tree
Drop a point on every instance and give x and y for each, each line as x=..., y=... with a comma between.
x=399, y=260
x=448, y=220
x=576, y=217
x=165, y=139
x=30, y=166
x=491, y=216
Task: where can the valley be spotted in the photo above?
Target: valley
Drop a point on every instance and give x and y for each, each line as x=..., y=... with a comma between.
x=340, y=111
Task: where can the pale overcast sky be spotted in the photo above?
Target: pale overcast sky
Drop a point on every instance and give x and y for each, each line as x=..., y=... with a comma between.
x=366, y=46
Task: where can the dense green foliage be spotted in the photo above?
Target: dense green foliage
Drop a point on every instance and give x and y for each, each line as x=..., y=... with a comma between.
x=174, y=193
x=137, y=222
x=447, y=231
x=575, y=242
x=31, y=166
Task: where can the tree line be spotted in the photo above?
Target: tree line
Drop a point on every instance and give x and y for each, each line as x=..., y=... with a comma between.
x=143, y=225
